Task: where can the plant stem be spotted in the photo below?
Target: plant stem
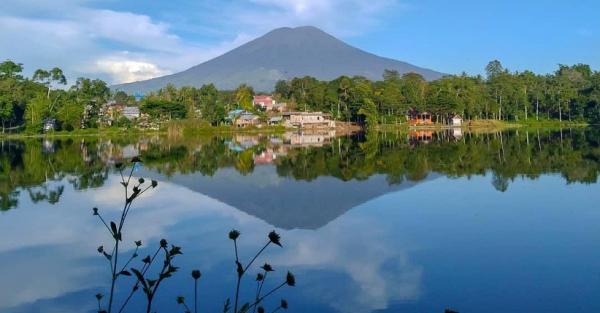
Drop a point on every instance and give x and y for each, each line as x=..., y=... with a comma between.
x=195, y=296
x=268, y=294
x=256, y=256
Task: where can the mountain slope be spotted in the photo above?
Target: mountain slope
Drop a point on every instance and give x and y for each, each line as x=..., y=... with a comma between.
x=283, y=53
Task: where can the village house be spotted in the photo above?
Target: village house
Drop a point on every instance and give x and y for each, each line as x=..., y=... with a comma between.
x=131, y=112
x=455, y=120
x=264, y=102
x=49, y=124
x=247, y=119
x=416, y=118
x=267, y=103
x=308, y=119
x=275, y=120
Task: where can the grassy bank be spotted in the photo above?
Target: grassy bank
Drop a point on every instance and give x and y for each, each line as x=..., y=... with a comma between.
x=197, y=128
x=90, y=132
x=490, y=125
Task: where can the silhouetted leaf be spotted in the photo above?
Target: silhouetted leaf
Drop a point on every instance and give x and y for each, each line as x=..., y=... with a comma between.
x=244, y=308
x=290, y=280
x=125, y=272
x=113, y=227
x=139, y=277
x=240, y=268
x=175, y=251
x=226, y=306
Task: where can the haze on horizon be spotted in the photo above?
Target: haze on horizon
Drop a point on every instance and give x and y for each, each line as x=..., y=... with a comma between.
x=124, y=41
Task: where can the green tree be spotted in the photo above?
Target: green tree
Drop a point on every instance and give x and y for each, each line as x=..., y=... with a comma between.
x=244, y=96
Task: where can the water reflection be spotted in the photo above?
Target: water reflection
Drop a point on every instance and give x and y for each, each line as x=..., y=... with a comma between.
x=386, y=222
x=29, y=165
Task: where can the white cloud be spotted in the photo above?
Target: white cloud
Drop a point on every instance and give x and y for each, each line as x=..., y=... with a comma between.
x=125, y=71
x=121, y=46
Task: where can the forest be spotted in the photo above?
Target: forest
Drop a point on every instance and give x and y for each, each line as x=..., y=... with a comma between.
x=571, y=93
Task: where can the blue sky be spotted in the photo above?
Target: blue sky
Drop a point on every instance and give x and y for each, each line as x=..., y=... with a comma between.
x=126, y=40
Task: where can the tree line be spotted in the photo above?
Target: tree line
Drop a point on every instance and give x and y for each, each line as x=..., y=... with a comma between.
x=570, y=93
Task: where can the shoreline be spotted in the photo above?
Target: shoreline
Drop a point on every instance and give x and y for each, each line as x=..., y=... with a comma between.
x=343, y=128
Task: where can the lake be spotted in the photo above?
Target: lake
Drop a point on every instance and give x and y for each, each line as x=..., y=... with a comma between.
x=377, y=222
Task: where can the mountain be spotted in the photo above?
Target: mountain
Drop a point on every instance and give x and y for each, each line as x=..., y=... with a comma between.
x=283, y=53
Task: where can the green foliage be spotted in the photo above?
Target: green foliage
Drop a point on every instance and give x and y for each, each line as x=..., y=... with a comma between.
x=163, y=109
x=243, y=96
x=571, y=93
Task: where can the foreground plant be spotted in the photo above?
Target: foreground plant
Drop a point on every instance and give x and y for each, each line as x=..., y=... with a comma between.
x=132, y=191
x=149, y=283
x=256, y=304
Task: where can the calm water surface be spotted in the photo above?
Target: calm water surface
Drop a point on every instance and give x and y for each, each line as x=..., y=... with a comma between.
x=387, y=222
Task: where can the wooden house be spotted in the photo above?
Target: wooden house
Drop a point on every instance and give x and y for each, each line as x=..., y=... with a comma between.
x=416, y=118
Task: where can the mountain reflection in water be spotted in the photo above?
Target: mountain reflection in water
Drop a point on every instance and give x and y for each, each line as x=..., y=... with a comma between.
x=387, y=222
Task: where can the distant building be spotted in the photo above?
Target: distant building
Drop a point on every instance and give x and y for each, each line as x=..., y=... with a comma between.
x=246, y=120
x=455, y=120
x=308, y=119
x=416, y=118
x=279, y=107
x=264, y=102
x=234, y=114
x=131, y=112
x=275, y=120
x=49, y=125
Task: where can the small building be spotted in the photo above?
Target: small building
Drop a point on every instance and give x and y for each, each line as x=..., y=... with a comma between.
x=234, y=114
x=416, y=118
x=279, y=107
x=264, y=102
x=49, y=124
x=246, y=120
x=131, y=112
x=308, y=119
x=455, y=120
x=275, y=120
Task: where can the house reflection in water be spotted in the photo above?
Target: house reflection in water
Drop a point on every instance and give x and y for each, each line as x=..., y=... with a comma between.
x=420, y=136
x=309, y=139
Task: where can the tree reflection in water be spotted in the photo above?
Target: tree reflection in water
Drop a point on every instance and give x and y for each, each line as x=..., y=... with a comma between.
x=33, y=165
